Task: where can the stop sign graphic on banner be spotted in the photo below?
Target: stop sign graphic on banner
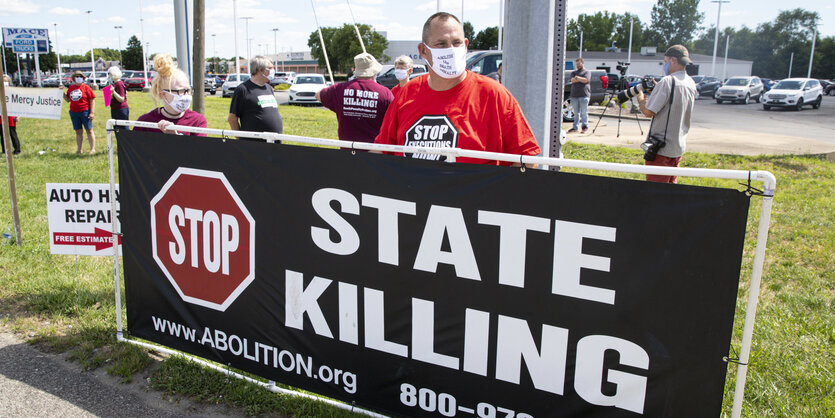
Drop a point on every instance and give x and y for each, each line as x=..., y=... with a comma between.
x=203, y=237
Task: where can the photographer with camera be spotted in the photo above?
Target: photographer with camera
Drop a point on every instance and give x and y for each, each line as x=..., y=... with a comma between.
x=670, y=106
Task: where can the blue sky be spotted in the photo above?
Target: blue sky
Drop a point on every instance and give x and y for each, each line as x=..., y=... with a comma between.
x=294, y=19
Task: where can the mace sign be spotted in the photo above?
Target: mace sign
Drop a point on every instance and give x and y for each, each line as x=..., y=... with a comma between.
x=79, y=218
x=203, y=237
x=26, y=40
x=420, y=288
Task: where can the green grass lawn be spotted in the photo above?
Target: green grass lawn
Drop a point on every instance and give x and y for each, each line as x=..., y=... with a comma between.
x=65, y=303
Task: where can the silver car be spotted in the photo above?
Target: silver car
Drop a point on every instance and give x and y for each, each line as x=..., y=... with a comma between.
x=232, y=81
x=740, y=90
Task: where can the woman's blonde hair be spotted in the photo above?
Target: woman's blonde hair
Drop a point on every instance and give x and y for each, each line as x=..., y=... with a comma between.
x=167, y=72
x=405, y=61
x=7, y=78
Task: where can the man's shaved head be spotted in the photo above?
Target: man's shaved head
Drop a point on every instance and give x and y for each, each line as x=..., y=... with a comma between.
x=440, y=16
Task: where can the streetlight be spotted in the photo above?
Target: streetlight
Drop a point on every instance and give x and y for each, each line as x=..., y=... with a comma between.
x=119, y=34
x=214, y=52
x=144, y=49
x=275, y=46
x=235, y=24
x=812, y=54
x=716, y=36
x=92, y=60
x=248, y=56
x=58, y=54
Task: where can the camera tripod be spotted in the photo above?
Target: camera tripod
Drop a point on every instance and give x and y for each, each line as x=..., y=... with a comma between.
x=613, y=94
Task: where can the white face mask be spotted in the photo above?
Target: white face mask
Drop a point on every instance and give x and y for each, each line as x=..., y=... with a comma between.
x=180, y=103
x=272, y=73
x=449, y=62
x=79, y=80
x=401, y=74
x=6, y=83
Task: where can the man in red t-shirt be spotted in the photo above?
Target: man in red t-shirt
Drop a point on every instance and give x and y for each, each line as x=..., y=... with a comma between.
x=453, y=107
x=360, y=104
x=82, y=106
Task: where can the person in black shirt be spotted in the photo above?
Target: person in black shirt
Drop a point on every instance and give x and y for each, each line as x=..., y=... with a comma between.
x=253, y=106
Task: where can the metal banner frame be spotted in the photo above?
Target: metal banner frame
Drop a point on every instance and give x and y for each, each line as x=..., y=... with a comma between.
x=767, y=178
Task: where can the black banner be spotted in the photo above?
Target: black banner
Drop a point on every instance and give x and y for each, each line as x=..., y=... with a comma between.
x=425, y=288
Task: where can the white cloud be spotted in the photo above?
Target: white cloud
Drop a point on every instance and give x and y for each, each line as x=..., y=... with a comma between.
x=17, y=7
x=399, y=31
x=116, y=19
x=338, y=14
x=64, y=11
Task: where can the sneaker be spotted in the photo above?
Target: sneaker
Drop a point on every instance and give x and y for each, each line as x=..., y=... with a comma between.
x=572, y=130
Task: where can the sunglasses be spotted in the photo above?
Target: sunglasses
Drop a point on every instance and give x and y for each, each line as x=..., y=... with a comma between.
x=178, y=92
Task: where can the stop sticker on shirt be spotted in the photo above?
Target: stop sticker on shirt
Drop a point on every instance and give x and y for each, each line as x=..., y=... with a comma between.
x=431, y=131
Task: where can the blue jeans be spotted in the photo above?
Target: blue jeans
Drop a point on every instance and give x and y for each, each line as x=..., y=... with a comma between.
x=581, y=110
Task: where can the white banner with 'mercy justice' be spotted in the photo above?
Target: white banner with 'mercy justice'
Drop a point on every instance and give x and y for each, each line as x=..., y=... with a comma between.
x=34, y=103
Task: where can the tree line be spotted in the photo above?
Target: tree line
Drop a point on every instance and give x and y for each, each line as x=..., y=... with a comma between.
x=769, y=45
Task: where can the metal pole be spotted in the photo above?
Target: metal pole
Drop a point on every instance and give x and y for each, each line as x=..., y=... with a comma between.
x=181, y=36
x=629, y=53
x=716, y=36
x=356, y=28
x=501, y=23
x=5, y=68
x=811, y=54
x=199, y=56
x=92, y=58
x=246, y=20
x=275, y=47
x=143, y=45
x=725, y=66
x=322, y=40
x=753, y=296
x=19, y=82
x=791, y=61
x=38, y=68
x=119, y=46
x=57, y=54
x=214, y=53
x=581, y=44
x=235, y=23
x=4, y=113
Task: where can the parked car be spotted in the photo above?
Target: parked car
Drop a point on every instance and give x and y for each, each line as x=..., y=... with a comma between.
x=51, y=81
x=794, y=93
x=483, y=62
x=137, y=80
x=210, y=84
x=285, y=76
x=305, y=87
x=100, y=78
x=708, y=86
x=830, y=89
x=387, y=78
x=232, y=81
x=740, y=90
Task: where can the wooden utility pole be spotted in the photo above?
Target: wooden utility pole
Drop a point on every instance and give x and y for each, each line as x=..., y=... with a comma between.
x=4, y=114
x=199, y=56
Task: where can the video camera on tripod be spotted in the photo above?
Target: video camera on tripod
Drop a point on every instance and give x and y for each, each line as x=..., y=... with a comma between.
x=646, y=84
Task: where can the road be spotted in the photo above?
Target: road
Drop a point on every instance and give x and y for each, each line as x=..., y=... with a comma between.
x=818, y=124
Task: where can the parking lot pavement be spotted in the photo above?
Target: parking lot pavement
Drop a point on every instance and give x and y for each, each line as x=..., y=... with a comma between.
x=733, y=129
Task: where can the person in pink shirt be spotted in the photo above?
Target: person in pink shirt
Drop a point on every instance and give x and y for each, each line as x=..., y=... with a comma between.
x=171, y=86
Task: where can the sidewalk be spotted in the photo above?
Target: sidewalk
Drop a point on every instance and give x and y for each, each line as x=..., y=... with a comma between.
x=36, y=384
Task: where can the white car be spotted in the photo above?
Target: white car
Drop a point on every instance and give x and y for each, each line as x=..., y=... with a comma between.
x=100, y=79
x=232, y=81
x=305, y=87
x=794, y=93
x=740, y=89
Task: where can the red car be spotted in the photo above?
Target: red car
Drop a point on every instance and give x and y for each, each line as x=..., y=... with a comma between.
x=137, y=80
